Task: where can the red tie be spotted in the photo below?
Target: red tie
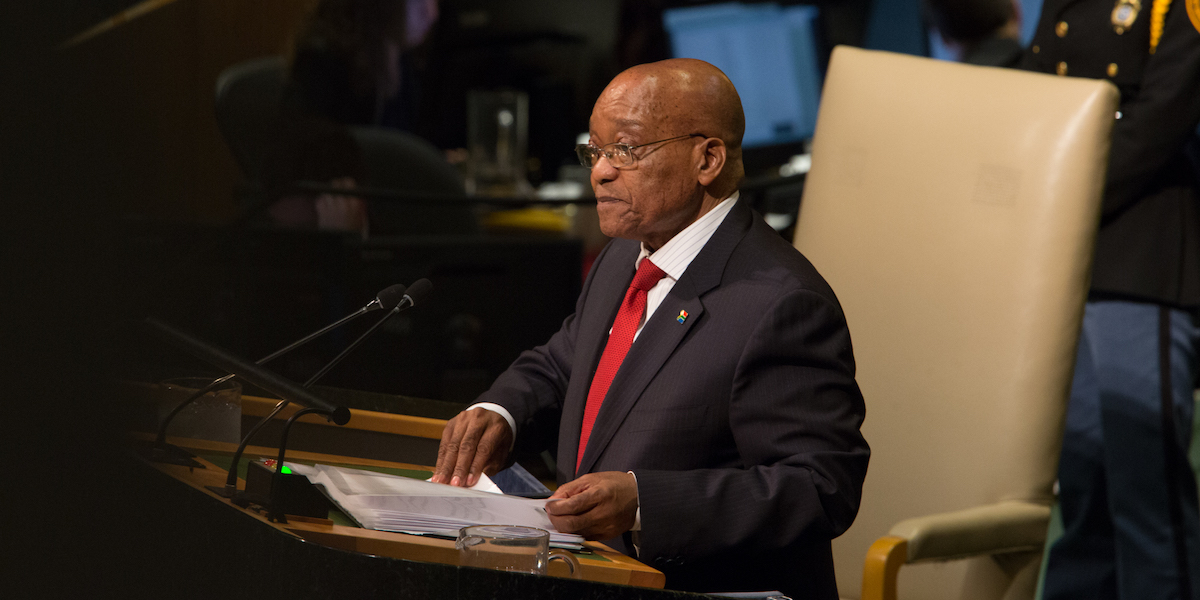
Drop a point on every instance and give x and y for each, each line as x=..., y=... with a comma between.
x=619, y=341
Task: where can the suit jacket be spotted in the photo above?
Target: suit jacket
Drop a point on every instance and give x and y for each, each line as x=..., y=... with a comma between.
x=741, y=422
x=1148, y=245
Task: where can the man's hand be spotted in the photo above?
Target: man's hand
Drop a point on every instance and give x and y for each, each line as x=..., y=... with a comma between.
x=598, y=506
x=475, y=441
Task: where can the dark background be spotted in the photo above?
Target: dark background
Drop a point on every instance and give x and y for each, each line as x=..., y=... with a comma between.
x=120, y=191
x=109, y=212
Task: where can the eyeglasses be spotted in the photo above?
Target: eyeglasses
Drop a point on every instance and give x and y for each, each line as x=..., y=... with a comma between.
x=619, y=155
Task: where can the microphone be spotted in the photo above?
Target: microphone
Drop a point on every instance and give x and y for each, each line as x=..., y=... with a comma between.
x=420, y=288
x=387, y=298
x=415, y=293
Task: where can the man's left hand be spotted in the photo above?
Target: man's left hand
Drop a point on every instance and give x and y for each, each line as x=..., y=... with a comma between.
x=598, y=506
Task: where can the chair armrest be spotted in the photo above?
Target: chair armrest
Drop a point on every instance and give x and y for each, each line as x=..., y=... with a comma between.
x=993, y=529
x=882, y=568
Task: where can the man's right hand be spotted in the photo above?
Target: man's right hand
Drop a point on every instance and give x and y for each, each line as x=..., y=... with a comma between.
x=475, y=441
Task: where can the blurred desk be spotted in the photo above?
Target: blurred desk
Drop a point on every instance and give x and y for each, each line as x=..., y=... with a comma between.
x=564, y=213
x=417, y=197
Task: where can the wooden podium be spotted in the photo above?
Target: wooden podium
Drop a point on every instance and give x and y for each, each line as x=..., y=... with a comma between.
x=427, y=567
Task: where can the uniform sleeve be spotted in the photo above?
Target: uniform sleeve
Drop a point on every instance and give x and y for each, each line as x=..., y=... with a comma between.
x=1156, y=124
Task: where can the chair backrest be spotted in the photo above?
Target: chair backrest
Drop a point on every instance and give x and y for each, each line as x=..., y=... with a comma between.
x=401, y=161
x=274, y=141
x=953, y=210
x=249, y=96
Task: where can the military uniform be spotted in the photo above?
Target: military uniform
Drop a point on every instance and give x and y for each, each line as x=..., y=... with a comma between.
x=1149, y=242
x=1127, y=494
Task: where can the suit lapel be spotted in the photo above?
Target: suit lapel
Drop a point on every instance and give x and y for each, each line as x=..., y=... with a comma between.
x=662, y=334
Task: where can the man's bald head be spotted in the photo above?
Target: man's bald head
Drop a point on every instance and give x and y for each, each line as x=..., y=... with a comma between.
x=686, y=95
x=681, y=123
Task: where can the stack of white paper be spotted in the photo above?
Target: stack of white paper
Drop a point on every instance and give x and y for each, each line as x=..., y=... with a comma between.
x=393, y=503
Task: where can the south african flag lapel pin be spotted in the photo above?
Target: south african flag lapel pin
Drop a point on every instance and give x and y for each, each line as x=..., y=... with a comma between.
x=682, y=316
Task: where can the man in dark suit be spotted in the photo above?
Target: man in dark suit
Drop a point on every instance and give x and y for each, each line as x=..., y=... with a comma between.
x=1127, y=493
x=721, y=445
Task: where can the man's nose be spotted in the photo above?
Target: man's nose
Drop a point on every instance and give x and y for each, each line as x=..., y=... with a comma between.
x=603, y=171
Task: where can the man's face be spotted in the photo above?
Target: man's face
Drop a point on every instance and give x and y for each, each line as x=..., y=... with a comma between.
x=659, y=195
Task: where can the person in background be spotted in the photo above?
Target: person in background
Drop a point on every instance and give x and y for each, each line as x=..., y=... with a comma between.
x=1127, y=493
x=350, y=65
x=703, y=392
x=320, y=153
x=981, y=32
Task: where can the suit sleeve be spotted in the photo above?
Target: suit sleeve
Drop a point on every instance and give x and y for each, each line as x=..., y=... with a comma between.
x=1156, y=124
x=795, y=413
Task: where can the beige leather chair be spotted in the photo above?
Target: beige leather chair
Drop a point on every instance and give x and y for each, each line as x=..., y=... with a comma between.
x=953, y=209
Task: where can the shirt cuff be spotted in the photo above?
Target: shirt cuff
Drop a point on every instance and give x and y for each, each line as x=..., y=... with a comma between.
x=500, y=410
x=637, y=517
x=635, y=532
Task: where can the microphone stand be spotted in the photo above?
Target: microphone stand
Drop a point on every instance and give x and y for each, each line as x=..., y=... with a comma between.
x=161, y=451
x=275, y=511
x=230, y=489
x=254, y=374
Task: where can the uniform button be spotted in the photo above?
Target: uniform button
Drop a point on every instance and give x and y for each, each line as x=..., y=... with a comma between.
x=1036, y=49
x=1061, y=69
x=1112, y=69
x=1061, y=29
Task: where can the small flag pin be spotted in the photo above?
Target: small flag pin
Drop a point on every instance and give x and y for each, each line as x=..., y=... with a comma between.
x=682, y=316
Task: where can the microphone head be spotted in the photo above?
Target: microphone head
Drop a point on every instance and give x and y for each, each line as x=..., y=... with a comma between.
x=391, y=296
x=418, y=290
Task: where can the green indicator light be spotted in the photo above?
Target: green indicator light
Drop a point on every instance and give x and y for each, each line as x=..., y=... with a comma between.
x=286, y=470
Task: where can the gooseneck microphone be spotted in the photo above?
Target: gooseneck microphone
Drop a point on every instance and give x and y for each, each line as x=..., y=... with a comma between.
x=388, y=298
x=414, y=295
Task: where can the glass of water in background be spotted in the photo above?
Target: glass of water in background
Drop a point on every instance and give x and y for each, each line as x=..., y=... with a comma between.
x=497, y=143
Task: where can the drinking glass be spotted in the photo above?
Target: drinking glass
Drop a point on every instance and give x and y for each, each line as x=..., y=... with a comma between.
x=510, y=548
x=216, y=416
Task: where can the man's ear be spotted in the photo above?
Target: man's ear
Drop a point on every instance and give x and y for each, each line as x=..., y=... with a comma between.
x=712, y=160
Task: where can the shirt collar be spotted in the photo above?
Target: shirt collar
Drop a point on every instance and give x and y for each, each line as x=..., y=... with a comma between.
x=675, y=255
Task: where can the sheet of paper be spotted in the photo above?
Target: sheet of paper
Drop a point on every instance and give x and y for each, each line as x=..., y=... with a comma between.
x=393, y=503
x=484, y=484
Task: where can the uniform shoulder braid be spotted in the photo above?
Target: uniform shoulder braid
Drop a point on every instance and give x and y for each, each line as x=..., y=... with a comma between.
x=1158, y=19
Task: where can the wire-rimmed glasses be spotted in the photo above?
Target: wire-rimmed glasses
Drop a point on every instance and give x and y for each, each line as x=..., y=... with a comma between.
x=618, y=155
